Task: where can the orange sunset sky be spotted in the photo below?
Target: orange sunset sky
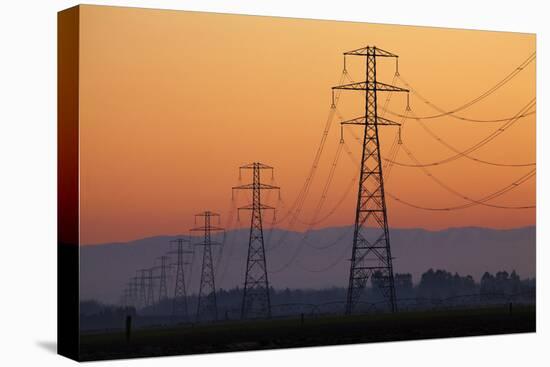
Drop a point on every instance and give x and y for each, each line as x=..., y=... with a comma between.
x=173, y=102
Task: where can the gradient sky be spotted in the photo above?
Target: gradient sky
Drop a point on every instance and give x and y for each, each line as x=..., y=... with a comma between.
x=172, y=102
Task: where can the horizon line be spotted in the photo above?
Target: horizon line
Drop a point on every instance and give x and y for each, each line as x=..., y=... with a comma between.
x=310, y=230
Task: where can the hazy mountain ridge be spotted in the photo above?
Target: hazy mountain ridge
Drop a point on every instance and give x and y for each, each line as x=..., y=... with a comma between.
x=105, y=268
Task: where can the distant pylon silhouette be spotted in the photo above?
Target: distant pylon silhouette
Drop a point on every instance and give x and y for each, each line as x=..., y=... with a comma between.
x=179, y=303
x=127, y=295
x=134, y=291
x=163, y=289
x=142, y=302
x=256, y=301
x=371, y=254
x=150, y=286
x=207, y=308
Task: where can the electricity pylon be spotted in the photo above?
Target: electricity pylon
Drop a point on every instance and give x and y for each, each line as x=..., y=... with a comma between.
x=207, y=308
x=179, y=303
x=371, y=254
x=256, y=301
x=134, y=295
x=163, y=289
x=127, y=296
x=150, y=286
x=142, y=301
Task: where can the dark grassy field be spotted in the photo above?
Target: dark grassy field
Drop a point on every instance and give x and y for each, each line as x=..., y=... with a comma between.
x=290, y=333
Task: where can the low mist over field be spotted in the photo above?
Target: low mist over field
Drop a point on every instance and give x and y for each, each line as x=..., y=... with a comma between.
x=318, y=261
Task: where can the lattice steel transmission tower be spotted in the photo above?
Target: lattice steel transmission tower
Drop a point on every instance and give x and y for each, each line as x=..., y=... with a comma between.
x=151, y=286
x=256, y=301
x=127, y=295
x=371, y=255
x=207, y=308
x=142, y=301
x=163, y=288
x=134, y=291
x=179, y=303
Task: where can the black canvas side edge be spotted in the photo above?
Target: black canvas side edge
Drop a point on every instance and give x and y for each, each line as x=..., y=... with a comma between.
x=68, y=183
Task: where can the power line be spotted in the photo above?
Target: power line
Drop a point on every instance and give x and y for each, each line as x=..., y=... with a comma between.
x=226, y=239
x=329, y=266
x=316, y=220
x=496, y=194
x=491, y=90
x=453, y=191
x=465, y=153
x=321, y=202
x=477, y=99
x=298, y=203
x=472, y=202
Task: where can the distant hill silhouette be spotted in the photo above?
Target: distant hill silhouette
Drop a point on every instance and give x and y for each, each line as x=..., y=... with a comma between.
x=105, y=268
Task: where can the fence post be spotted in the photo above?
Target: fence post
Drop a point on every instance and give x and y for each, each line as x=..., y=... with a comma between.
x=128, y=327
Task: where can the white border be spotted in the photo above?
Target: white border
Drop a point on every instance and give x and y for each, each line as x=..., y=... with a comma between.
x=28, y=186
